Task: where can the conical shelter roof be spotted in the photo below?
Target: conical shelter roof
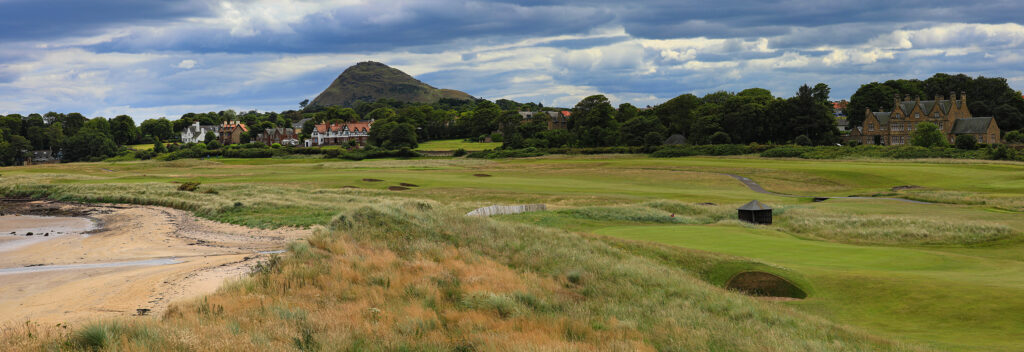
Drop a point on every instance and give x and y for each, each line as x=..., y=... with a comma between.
x=755, y=205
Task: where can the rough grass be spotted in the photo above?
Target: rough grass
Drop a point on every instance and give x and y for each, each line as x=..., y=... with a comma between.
x=811, y=223
x=232, y=203
x=414, y=275
x=601, y=276
x=1015, y=204
x=894, y=230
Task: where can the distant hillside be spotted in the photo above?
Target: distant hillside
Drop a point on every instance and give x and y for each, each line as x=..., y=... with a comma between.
x=370, y=81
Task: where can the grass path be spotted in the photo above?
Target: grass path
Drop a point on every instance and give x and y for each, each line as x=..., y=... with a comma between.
x=960, y=301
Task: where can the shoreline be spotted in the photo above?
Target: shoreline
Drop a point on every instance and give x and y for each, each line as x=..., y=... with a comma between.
x=135, y=257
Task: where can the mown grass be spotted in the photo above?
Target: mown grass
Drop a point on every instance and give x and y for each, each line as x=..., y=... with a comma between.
x=415, y=275
x=141, y=146
x=585, y=194
x=951, y=300
x=453, y=144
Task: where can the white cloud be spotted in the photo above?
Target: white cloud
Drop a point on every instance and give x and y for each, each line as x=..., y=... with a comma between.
x=63, y=74
x=187, y=64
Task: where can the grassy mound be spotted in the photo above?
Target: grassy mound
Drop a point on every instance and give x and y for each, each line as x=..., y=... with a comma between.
x=413, y=275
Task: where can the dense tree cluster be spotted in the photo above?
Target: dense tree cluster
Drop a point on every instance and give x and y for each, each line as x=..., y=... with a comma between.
x=752, y=115
x=986, y=96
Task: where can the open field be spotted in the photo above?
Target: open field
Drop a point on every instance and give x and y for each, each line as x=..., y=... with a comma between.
x=892, y=274
x=453, y=144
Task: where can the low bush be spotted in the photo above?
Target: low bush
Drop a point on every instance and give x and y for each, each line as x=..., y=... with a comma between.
x=511, y=153
x=189, y=186
x=715, y=150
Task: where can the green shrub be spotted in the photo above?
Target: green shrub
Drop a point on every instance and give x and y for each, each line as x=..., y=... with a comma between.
x=511, y=153
x=789, y=151
x=966, y=141
x=1014, y=137
x=721, y=149
x=459, y=152
x=189, y=186
x=802, y=140
x=927, y=134
x=720, y=138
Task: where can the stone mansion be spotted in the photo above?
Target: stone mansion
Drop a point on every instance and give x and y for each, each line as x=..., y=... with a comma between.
x=895, y=127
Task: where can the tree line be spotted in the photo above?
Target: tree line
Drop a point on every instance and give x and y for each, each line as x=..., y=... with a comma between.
x=750, y=116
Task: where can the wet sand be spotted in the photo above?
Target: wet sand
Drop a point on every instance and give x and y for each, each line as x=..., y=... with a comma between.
x=133, y=257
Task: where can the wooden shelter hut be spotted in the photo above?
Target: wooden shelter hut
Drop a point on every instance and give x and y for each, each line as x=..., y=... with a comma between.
x=756, y=212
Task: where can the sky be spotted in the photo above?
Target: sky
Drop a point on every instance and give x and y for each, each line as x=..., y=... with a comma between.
x=164, y=58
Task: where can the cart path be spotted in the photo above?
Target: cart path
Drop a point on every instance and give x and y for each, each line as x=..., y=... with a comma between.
x=754, y=186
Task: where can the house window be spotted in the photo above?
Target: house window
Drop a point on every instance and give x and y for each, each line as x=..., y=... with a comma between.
x=871, y=127
x=917, y=115
x=981, y=138
x=936, y=115
x=897, y=116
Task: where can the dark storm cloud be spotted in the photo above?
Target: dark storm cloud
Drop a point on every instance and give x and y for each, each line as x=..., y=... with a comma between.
x=356, y=29
x=22, y=20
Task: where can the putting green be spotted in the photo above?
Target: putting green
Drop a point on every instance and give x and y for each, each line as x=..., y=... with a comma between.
x=956, y=301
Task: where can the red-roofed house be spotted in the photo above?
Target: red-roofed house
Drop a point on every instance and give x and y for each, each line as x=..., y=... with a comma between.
x=839, y=108
x=339, y=134
x=231, y=132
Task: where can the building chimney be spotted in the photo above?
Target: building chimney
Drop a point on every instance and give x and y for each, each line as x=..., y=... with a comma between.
x=952, y=96
x=938, y=97
x=917, y=98
x=963, y=96
x=895, y=100
x=906, y=97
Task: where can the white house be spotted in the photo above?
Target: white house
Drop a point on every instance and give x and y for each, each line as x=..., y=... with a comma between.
x=197, y=133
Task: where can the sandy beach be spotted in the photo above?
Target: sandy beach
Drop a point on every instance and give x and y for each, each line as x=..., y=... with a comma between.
x=102, y=261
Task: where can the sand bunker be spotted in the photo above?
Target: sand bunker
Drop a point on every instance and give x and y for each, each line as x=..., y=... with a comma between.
x=758, y=283
x=133, y=257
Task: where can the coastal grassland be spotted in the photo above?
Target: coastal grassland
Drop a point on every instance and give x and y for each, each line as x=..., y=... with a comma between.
x=958, y=255
x=416, y=275
x=453, y=144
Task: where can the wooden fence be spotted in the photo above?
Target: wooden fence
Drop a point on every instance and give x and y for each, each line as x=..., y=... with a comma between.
x=507, y=209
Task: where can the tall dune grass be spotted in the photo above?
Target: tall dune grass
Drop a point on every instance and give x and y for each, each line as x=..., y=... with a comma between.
x=895, y=230
x=416, y=275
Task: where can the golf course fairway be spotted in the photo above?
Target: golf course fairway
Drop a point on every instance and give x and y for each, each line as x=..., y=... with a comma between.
x=959, y=301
